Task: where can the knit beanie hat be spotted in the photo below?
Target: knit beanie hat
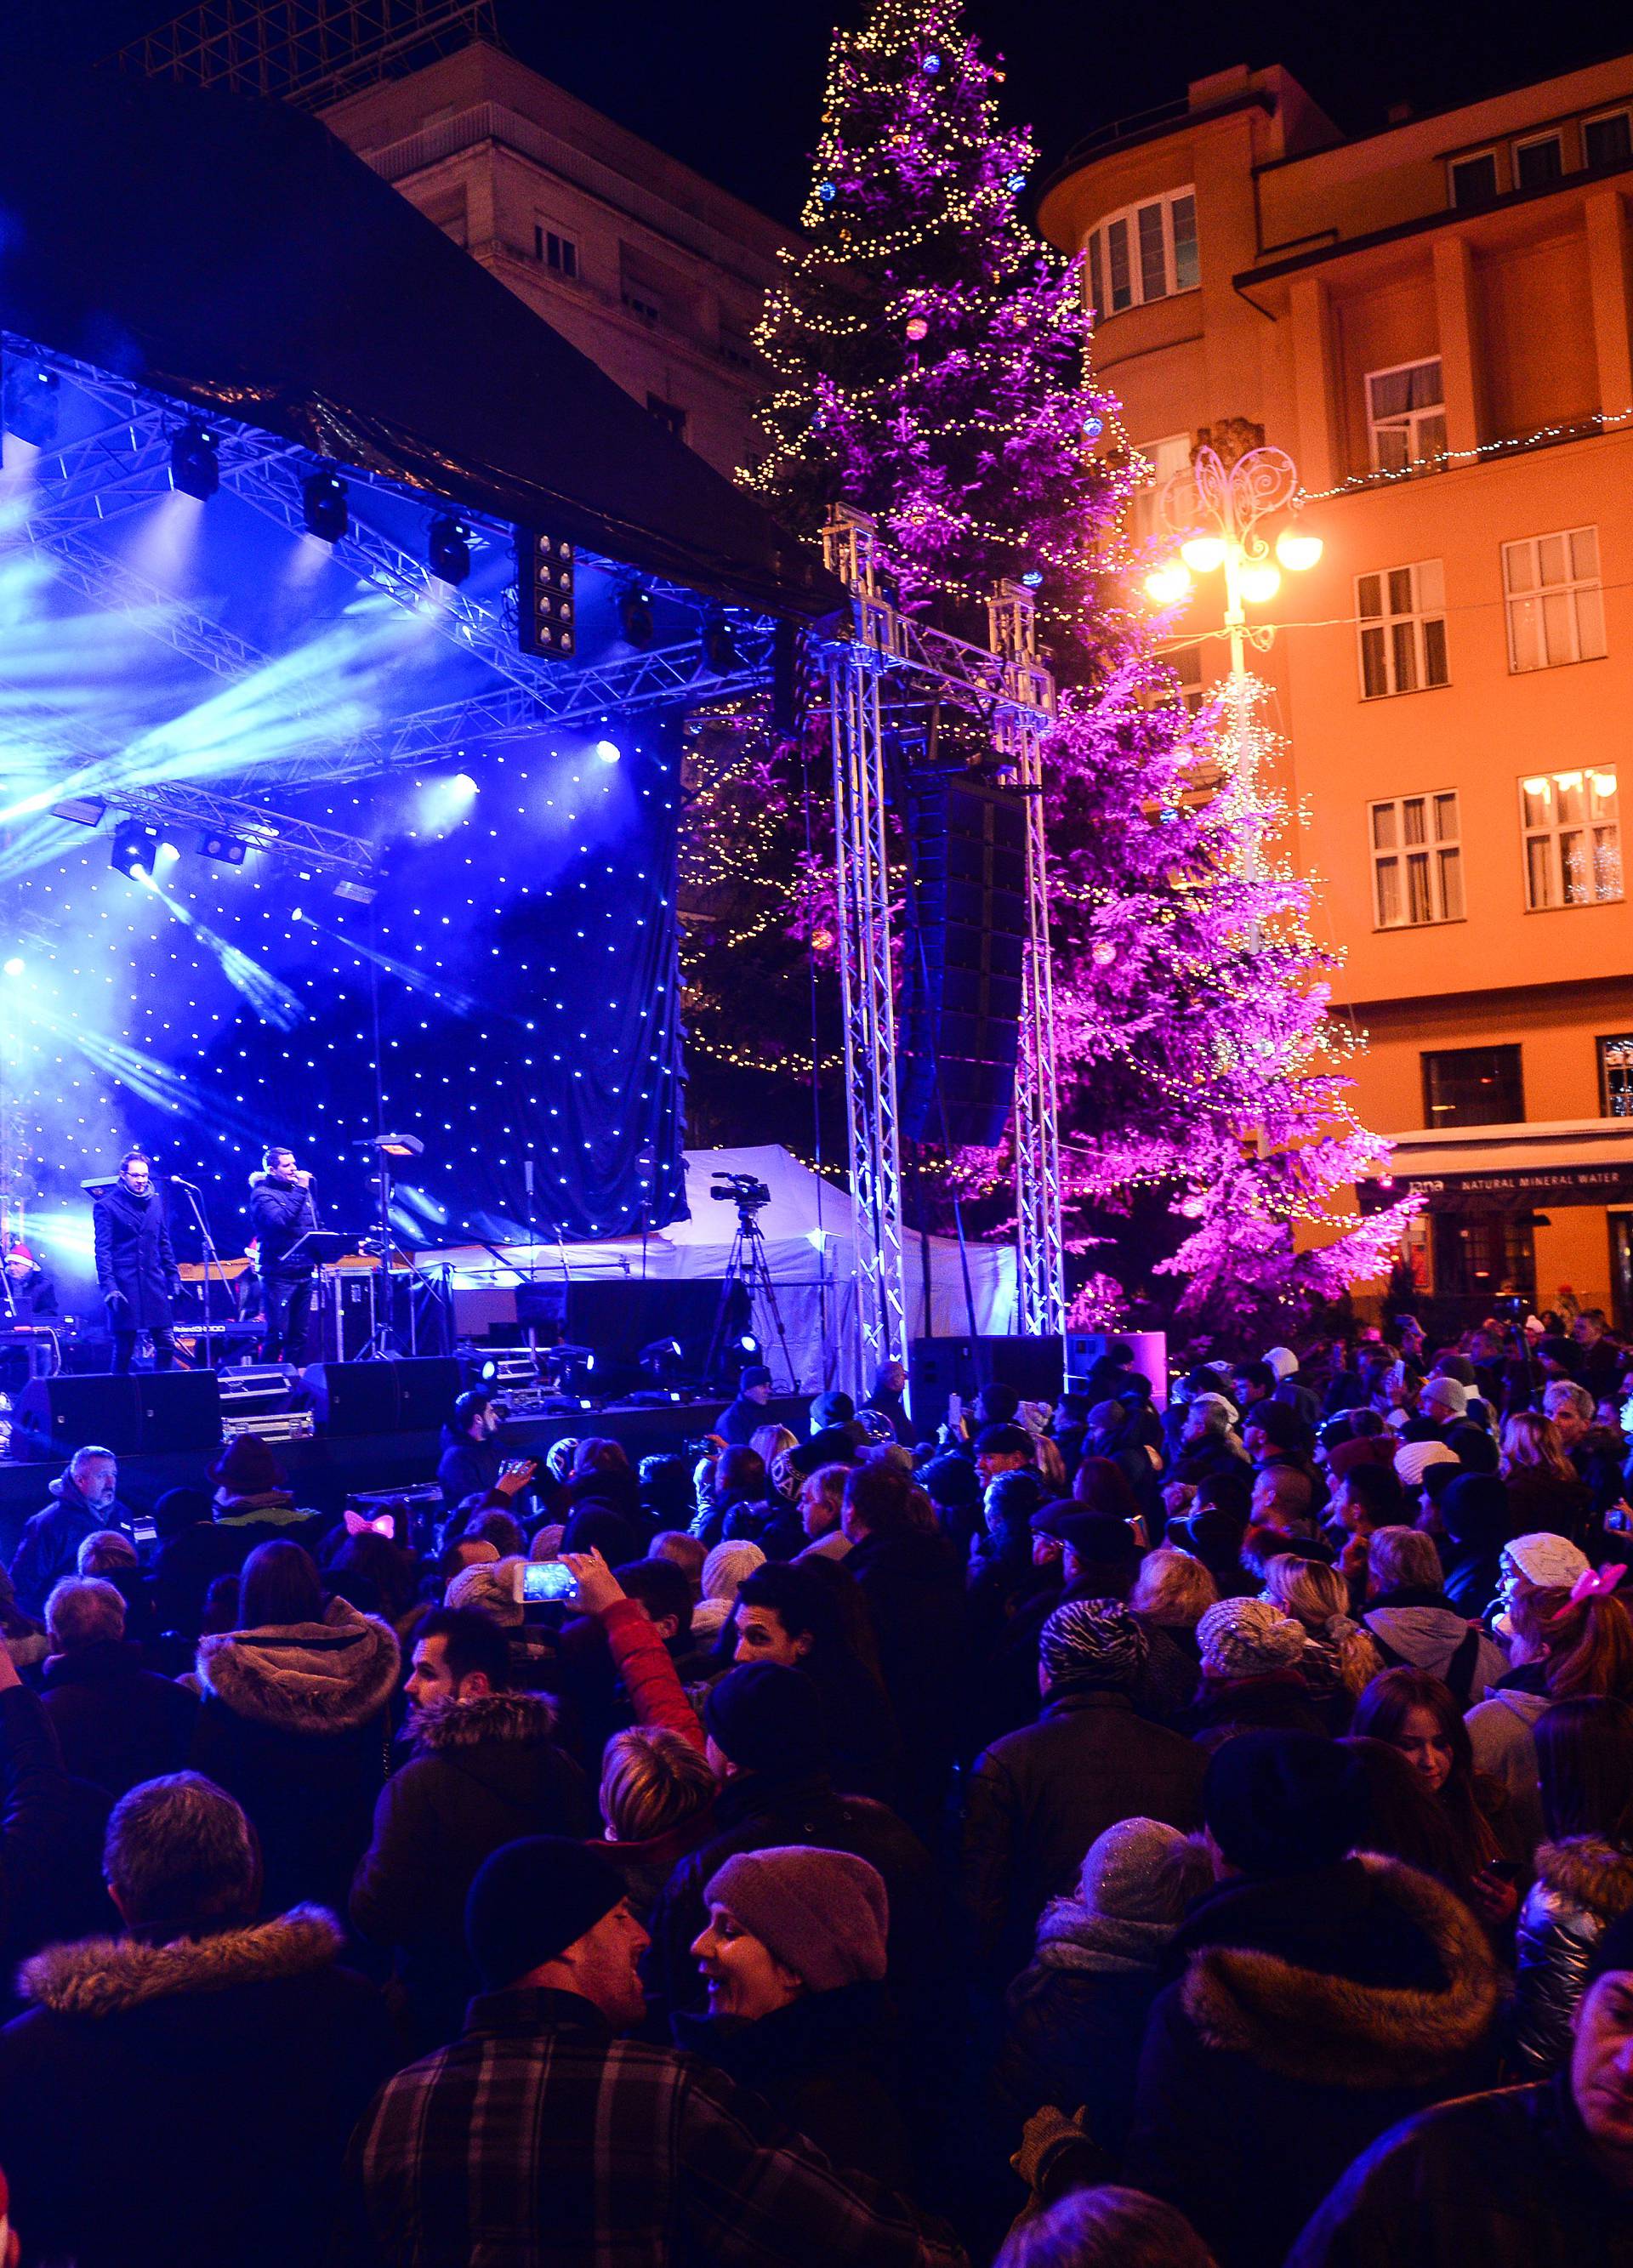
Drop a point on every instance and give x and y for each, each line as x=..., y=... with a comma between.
x=1282, y=1360
x=768, y=1718
x=726, y=1566
x=1283, y=1803
x=1092, y=1642
x=1248, y=1637
x=247, y=1467
x=1367, y=1449
x=821, y=1913
x=533, y=1899
x=951, y=1484
x=1413, y=1460
x=490, y=1588
x=756, y=1375
x=1134, y=1872
x=833, y=1408
x=1448, y=1394
x=1551, y=1562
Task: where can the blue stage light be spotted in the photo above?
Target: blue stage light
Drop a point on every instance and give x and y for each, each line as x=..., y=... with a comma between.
x=31, y=402
x=608, y=752
x=195, y=465
x=323, y=506
x=447, y=549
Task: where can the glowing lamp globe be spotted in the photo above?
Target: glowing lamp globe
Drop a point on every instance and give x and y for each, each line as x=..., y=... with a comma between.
x=917, y=328
x=1297, y=551
x=1105, y=954
x=1169, y=584
x=1260, y=581
x=1201, y=553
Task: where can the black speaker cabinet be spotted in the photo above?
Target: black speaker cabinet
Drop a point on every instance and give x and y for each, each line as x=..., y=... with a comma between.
x=426, y=1388
x=938, y=1367
x=354, y=1397
x=74, y=1411
x=181, y=1409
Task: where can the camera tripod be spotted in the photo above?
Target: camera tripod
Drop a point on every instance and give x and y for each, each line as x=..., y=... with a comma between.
x=748, y=1268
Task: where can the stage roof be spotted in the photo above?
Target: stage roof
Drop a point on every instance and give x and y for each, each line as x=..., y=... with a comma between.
x=232, y=254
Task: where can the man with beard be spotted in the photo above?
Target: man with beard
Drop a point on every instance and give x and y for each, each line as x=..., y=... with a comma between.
x=136, y=1268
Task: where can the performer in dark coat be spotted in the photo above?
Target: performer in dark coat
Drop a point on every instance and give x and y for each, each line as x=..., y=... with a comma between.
x=281, y=1209
x=27, y=1295
x=136, y=1268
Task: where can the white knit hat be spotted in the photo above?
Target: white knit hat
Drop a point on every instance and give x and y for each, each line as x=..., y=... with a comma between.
x=1282, y=1360
x=1248, y=1637
x=1413, y=1460
x=1551, y=1562
x=727, y=1565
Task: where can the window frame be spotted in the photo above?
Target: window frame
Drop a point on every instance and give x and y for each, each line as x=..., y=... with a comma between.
x=1552, y=836
x=1419, y=617
x=565, y=265
x=1396, y=854
x=1142, y=495
x=1602, y=1041
x=1473, y=157
x=1622, y=111
x=1103, y=268
x=1374, y=425
x=670, y=414
x=1554, y=134
x=1569, y=590
x=1512, y=1049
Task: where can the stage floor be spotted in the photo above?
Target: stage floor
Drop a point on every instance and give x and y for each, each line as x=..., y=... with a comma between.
x=326, y=1470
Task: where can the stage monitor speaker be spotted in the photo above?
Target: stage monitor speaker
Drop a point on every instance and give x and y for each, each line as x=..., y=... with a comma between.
x=427, y=1386
x=939, y=1368
x=72, y=1412
x=353, y=1397
x=1149, y=1350
x=967, y=934
x=181, y=1409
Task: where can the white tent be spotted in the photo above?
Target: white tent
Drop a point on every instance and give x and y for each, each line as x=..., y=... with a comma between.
x=810, y=1250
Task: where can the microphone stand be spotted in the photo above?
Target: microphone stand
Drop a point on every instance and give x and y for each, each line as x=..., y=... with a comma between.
x=196, y=1207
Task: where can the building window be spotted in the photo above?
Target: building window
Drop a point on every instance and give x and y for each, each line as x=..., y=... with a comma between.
x=1616, y=1075
x=1555, y=606
x=1573, y=844
x=1472, y=1086
x=1539, y=162
x=1164, y=458
x=1417, y=861
x=559, y=252
x=668, y=414
x=1474, y=179
x=648, y=309
x=1402, y=630
x=1407, y=416
x=1145, y=252
x=1484, y=1255
x=1607, y=141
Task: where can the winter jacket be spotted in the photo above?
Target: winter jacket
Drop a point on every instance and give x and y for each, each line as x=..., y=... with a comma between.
x=116, y=1722
x=1223, y=1707
x=136, y=1268
x=1505, y=2180
x=1036, y=1799
x=281, y=1211
x=1314, y=2012
x=1074, y=2019
x=185, y=2105
x=1424, y=1631
x=646, y=1668
x=829, y=2064
x=1537, y=1501
x=483, y=1772
x=740, y=1421
x=757, y=1812
x=467, y=1468
x=293, y=1724
x=49, y=1546
x=51, y=1829
x=1500, y=1729
x=1582, y=1884
x=914, y=1591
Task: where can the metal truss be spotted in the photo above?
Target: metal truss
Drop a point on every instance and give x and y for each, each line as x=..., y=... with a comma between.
x=309, y=52
x=1022, y=720
x=855, y=670
x=173, y=803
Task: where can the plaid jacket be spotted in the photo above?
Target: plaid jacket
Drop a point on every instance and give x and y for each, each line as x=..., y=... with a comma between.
x=537, y=2140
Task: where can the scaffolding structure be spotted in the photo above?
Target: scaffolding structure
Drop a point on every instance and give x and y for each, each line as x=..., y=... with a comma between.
x=888, y=665
x=308, y=51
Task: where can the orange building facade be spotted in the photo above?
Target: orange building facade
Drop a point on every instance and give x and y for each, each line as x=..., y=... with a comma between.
x=1434, y=321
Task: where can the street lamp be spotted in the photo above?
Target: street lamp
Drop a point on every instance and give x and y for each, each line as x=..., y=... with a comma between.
x=1214, y=513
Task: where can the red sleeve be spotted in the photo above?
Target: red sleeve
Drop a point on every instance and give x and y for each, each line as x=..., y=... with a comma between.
x=648, y=1674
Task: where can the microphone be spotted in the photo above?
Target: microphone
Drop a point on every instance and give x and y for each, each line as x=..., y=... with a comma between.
x=181, y=1184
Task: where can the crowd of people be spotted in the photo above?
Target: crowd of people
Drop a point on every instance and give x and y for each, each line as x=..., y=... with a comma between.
x=1170, y=1827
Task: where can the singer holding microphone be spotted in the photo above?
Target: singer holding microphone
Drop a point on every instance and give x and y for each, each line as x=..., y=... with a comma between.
x=136, y=1268
x=281, y=1211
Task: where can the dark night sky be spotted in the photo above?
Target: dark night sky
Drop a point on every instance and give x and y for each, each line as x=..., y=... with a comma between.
x=732, y=86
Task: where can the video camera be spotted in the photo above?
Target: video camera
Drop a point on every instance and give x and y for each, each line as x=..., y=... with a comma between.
x=744, y=1190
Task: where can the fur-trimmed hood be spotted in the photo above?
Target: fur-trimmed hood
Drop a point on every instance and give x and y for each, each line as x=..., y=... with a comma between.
x=330, y=1676
x=517, y=1720
x=109, y=1975
x=1324, y=2030
x=1593, y=1874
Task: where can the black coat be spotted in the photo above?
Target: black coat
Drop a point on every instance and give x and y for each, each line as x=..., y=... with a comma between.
x=134, y=1259
x=116, y=1722
x=1314, y=2012
x=467, y=1468
x=483, y=1773
x=281, y=1211
x=1508, y=2180
x=188, y=2105
x=1073, y=2035
x=31, y=1299
x=48, y=1548
x=294, y=1725
x=914, y=1589
x=51, y=1829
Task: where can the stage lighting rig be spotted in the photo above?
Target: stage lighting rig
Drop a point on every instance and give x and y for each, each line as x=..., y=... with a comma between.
x=31, y=402
x=83, y=810
x=136, y=849
x=447, y=548
x=636, y=620
x=195, y=465
x=229, y=848
x=323, y=506
x=546, y=609
x=720, y=649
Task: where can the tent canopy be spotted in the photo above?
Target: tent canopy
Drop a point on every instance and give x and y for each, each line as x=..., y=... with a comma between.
x=232, y=252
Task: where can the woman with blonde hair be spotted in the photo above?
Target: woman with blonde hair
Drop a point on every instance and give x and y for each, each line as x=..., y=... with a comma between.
x=1339, y=1658
x=657, y=1805
x=770, y=1441
x=1539, y=1479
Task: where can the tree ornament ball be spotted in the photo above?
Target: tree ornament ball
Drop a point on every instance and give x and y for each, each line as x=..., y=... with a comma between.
x=1105, y=954
x=917, y=328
